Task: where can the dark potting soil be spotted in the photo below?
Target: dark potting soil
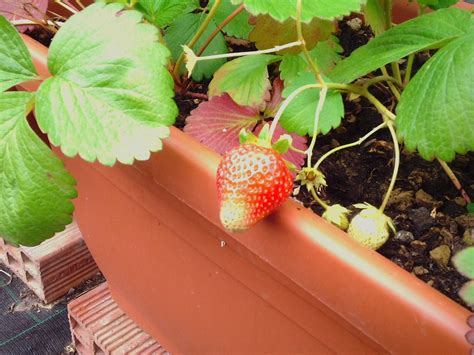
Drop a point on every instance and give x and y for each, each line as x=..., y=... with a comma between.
x=430, y=216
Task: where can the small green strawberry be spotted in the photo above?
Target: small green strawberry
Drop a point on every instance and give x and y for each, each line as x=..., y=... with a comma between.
x=252, y=181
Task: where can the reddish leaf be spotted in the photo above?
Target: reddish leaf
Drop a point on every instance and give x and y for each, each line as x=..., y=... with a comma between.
x=299, y=142
x=217, y=122
x=23, y=10
x=277, y=98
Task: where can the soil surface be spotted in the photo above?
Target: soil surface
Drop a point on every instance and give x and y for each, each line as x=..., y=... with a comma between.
x=430, y=216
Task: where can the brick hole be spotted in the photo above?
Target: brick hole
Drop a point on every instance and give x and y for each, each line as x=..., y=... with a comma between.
x=97, y=350
x=13, y=261
x=28, y=264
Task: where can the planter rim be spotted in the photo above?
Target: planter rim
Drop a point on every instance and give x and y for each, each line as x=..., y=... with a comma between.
x=317, y=250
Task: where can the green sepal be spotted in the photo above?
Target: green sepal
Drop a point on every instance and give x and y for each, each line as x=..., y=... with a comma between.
x=283, y=144
x=247, y=137
x=292, y=167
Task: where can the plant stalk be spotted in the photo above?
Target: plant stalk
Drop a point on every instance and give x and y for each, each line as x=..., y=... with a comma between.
x=317, y=115
x=318, y=199
x=392, y=87
x=66, y=6
x=411, y=58
x=196, y=37
x=219, y=28
x=396, y=165
x=454, y=180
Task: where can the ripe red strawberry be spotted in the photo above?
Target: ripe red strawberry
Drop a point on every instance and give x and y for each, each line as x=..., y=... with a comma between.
x=252, y=181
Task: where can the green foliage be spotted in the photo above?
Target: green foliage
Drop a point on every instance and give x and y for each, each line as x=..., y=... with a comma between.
x=162, y=12
x=464, y=263
x=378, y=14
x=245, y=79
x=15, y=61
x=299, y=115
x=437, y=4
x=239, y=27
x=180, y=33
x=429, y=31
x=282, y=10
x=326, y=54
x=109, y=97
x=436, y=111
x=35, y=188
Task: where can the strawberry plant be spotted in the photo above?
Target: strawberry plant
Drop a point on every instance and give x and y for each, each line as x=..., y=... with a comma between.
x=116, y=65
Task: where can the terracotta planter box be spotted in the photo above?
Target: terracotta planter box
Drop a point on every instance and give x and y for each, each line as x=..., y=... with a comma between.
x=292, y=284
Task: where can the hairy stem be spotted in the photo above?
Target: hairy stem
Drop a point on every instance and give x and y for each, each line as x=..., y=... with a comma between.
x=380, y=107
x=348, y=145
x=196, y=37
x=390, y=85
x=454, y=180
x=313, y=65
x=411, y=58
x=396, y=165
x=219, y=28
x=318, y=199
x=317, y=115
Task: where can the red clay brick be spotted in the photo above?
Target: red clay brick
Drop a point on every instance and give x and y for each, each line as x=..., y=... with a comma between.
x=55, y=266
x=99, y=326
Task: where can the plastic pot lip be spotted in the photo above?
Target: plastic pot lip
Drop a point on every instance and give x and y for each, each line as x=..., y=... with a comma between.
x=309, y=230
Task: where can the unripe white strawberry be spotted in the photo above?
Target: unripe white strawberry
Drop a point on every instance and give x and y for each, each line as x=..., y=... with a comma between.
x=370, y=226
x=337, y=214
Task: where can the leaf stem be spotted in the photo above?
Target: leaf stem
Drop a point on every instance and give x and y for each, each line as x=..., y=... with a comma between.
x=380, y=107
x=396, y=164
x=66, y=6
x=378, y=79
x=311, y=62
x=349, y=145
x=391, y=86
x=454, y=180
x=411, y=58
x=317, y=115
x=80, y=4
x=396, y=71
x=196, y=37
x=219, y=28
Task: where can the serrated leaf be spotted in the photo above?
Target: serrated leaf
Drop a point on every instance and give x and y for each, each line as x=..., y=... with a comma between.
x=239, y=27
x=425, y=32
x=282, y=10
x=245, y=79
x=35, y=188
x=163, y=12
x=299, y=115
x=437, y=4
x=436, y=111
x=180, y=33
x=464, y=262
x=23, y=10
x=110, y=96
x=467, y=293
x=217, y=124
x=16, y=65
x=269, y=33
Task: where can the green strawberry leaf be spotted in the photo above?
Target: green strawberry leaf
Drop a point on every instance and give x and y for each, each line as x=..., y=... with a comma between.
x=377, y=13
x=326, y=54
x=282, y=10
x=299, y=115
x=425, y=32
x=163, y=12
x=436, y=111
x=464, y=262
x=269, y=33
x=467, y=293
x=245, y=79
x=35, y=188
x=180, y=33
x=110, y=97
x=239, y=27
x=437, y=4
x=16, y=65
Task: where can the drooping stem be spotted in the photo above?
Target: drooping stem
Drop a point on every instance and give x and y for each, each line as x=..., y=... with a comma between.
x=313, y=65
x=396, y=165
x=348, y=145
x=454, y=180
x=196, y=37
x=380, y=107
x=219, y=28
x=318, y=199
x=317, y=115
x=411, y=58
